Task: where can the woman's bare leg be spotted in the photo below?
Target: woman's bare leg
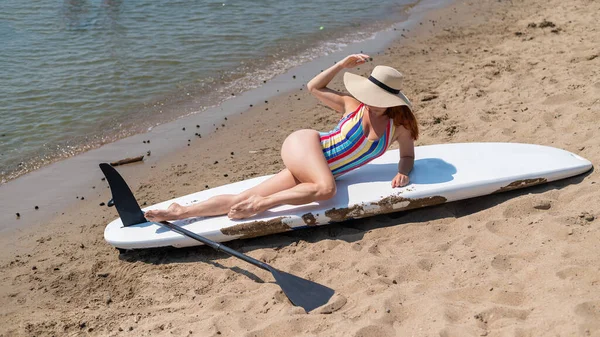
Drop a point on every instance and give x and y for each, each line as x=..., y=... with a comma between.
x=221, y=204
x=302, y=155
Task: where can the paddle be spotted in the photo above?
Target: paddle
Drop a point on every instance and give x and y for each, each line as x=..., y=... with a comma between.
x=304, y=293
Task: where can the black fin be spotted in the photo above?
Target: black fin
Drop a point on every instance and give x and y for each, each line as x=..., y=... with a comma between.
x=127, y=207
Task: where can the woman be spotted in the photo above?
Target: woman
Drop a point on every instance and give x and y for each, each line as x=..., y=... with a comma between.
x=374, y=116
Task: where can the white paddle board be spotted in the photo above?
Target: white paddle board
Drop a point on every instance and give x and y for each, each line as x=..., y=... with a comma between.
x=442, y=173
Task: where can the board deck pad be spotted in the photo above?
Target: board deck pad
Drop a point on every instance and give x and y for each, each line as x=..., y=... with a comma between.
x=442, y=173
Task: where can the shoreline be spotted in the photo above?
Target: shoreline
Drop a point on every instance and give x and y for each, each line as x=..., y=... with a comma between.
x=188, y=99
x=65, y=182
x=203, y=83
x=491, y=266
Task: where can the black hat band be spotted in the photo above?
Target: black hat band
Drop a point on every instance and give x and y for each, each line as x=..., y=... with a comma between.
x=383, y=86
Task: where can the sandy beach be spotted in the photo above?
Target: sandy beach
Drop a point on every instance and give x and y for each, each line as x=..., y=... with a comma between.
x=519, y=263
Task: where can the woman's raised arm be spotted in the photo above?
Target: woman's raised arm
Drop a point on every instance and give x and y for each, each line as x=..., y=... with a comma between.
x=335, y=99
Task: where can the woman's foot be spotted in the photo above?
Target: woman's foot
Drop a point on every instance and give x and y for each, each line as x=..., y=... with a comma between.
x=247, y=208
x=174, y=212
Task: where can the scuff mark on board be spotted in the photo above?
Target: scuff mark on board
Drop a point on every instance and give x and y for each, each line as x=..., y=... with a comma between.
x=385, y=205
x=395, y=203
x=521, y=184
x=341, y=214
x=257, y=228
x=309, y=219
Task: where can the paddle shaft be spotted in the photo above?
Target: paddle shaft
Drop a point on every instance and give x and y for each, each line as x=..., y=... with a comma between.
x=215, y=245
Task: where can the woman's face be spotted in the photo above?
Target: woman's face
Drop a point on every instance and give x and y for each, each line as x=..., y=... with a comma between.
x=376, y=110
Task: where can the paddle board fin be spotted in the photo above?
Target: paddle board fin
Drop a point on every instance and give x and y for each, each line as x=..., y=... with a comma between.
x=128, y=208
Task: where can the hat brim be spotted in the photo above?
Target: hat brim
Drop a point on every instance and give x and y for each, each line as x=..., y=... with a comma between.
x=369, y=93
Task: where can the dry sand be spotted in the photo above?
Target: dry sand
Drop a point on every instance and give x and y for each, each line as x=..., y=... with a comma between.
x=520, y=263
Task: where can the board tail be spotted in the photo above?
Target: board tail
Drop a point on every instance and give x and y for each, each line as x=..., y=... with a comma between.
x=128, y=208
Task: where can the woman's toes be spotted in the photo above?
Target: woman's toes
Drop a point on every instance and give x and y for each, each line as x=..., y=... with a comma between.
x=238, y=215
x=172, y=213
x=246, y=208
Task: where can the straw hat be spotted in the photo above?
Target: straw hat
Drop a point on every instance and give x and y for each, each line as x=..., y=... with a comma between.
x=381, y=89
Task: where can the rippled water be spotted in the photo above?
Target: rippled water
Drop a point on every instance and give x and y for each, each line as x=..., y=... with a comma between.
x=75, y=74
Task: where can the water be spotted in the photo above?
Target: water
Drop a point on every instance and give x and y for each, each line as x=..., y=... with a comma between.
x=76, y=74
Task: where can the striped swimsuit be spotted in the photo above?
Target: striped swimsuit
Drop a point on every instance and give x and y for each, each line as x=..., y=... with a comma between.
x=347, y=147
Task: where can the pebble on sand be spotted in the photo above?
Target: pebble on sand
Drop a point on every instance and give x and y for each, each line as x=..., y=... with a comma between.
x=587, y=216
x=543, y=205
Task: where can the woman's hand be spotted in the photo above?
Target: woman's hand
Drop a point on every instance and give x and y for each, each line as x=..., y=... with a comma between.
x=400, y=180
x=354, y=60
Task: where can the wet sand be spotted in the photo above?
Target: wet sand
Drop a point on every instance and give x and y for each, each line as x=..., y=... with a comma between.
x=519, y=263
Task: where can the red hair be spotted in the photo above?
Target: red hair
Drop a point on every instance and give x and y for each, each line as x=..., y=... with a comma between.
x=403, y=115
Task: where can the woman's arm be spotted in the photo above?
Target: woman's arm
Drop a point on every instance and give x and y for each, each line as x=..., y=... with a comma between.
x=407, y=157
x=335, y=99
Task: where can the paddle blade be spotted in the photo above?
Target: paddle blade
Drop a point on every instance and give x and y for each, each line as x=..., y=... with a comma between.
x=303, y=293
